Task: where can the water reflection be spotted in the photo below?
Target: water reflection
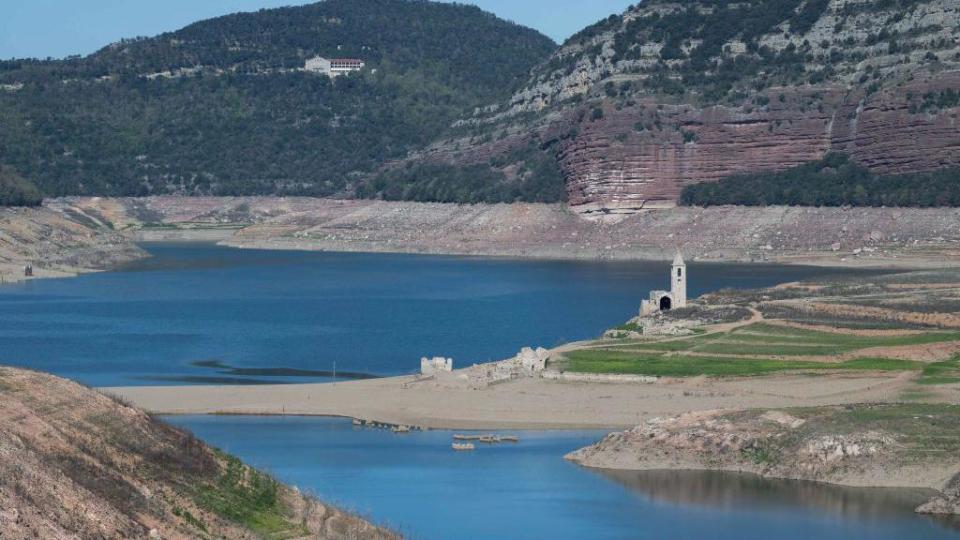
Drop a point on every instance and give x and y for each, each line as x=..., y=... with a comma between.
x=731, y=491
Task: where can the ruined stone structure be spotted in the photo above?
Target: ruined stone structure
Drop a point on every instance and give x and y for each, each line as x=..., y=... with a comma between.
x=532, y=361
x=430, y=367
x=676, y=298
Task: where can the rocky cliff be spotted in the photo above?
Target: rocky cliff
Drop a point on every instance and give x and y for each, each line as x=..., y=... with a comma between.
x=673, y=93
x=77, y=464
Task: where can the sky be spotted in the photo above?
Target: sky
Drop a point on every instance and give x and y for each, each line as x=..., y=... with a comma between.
x=58, y=28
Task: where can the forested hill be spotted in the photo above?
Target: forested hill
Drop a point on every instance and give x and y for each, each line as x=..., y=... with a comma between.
x=222, y=107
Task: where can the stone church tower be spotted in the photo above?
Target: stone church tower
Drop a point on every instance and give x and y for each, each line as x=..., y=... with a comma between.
x=678, y=282
x=676, y=298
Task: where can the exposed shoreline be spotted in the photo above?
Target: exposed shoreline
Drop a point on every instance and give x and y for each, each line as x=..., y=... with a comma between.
x=897, y=238
x=57, y=245
x=801, y=444
x=529, y=403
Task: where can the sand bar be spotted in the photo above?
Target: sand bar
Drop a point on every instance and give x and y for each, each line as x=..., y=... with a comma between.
x=529, y=403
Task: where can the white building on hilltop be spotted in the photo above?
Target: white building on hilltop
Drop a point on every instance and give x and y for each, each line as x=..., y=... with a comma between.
x=333, y=67
x=676, y=298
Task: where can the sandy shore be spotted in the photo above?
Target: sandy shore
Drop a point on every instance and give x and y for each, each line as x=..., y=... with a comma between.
x=530, y=403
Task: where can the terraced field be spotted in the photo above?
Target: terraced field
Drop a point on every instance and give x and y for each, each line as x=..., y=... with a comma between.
x=758, y=349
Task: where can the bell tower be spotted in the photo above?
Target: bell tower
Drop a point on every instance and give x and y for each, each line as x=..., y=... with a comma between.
x=678, y=282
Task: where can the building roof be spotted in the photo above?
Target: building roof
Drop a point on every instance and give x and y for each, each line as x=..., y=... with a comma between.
x=678, y=260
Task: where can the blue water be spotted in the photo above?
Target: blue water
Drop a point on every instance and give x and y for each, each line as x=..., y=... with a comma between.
x=417, y=485
x=205, y=314
x=270, y=312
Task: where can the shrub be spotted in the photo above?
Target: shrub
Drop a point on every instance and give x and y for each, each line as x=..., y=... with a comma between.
x=832, y=181
x=17, y=191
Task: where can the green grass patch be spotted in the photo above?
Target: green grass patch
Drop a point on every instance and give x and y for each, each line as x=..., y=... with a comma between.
x=248, y=497
x=941, y=372
x=775, y=349
x=922, y=431
x=630, y=327
x=671, y=346
x=916, y=395
x=848, y=341
x=762, y=339
x=189, y=518
x=925, y=428
x=661, y=365
x=879, y=364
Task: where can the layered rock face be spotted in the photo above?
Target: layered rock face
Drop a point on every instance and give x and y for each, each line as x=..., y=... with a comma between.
x=611, y=166
x=632, y=122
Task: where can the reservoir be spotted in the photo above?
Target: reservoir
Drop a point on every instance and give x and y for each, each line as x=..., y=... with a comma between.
x=203, y=314
x=415, y=484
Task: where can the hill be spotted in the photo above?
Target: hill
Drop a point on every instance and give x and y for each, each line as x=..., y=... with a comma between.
x=16, y=191
x=77, y=464
x=668, y=94
x=224, y=107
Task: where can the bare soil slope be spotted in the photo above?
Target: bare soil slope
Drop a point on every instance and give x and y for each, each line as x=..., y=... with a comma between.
x=58, y=244
x=77, y=464
x=891, y=237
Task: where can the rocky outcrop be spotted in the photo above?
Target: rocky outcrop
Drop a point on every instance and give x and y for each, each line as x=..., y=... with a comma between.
x=862, y=445
x=77, y=464
x=864, y=79
x=947, y=502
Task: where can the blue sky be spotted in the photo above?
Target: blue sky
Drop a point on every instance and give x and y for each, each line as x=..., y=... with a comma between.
x=57, y=28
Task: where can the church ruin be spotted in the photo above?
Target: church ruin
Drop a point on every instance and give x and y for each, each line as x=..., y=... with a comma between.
x=676, y=298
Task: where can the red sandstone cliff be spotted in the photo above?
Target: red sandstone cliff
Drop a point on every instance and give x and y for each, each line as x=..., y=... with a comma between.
x=864, y=78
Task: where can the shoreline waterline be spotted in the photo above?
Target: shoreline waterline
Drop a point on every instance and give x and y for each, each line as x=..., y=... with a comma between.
x=534, y=493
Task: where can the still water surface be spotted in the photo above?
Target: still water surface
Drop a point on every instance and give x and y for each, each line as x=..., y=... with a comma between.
x=198, y=313
x=417, y=485
x=205, y=314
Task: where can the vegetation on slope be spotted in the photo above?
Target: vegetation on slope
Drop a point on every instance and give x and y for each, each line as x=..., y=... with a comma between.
x=863, y=444
x=759, y=349
x=719, y=51
x=535, y=177
x=16, y=190
x=899, y=322
x=832, y=181
x=80, y=464
x=220, y=108
x=771, y=59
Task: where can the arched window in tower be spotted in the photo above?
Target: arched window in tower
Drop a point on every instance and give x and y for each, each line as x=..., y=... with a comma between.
x=679, y=272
